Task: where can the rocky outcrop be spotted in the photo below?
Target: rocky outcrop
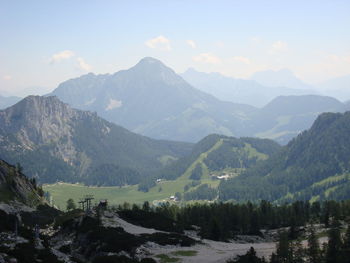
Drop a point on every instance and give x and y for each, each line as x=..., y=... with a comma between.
x=14, y=186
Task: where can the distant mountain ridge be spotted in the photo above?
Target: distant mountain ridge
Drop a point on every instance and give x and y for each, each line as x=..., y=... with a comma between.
x=53, y=142
x=281, y=78
x=249, y=92
x=337, y=87
x=8, y=101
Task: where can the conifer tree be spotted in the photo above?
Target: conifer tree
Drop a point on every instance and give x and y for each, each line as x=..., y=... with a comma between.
x=283, y=251
x=313, y=251
x=70, y=204
x=334, y=243
x=346, y=246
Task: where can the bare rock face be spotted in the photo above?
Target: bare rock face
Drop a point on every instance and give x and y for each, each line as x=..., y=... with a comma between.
x=37, y=120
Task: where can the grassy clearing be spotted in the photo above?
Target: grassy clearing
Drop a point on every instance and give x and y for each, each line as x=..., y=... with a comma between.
x=200, y=161
x=165, y=258
x=61, y=192
x=185, y=253
x=332, y=179
x=252, y=152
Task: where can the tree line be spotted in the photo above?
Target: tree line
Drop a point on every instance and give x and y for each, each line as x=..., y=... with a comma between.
x=223, y=221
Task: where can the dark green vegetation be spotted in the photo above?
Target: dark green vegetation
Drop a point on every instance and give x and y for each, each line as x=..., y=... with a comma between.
x=14, y=186
x=313, y=166
x=202, y=192
x=249, y=257
x=223, y=221
x=336, y=250
x=57, y=143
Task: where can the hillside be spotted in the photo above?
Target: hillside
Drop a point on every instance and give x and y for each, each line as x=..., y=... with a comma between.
x=213, y=158
x=218, y=152
x=151, y=99
x=55, y=142
x=315, y=166
x=14, y=186
x=238, y=90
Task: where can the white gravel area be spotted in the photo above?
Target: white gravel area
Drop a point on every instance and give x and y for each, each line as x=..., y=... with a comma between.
x=111, y=219
x=213, y=251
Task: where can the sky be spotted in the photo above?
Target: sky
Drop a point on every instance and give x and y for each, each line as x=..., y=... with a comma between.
x=43, y=43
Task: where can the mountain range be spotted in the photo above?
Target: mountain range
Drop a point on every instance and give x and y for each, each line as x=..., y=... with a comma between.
x=55, y=142
x=251, y=91
x=152, y=100
x=281, y=78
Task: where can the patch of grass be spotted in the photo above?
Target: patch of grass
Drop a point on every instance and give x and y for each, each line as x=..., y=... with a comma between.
x=332, y=179
x=185, y=253
x=61, y=192
x=200, y=161
x=252, y=152
x=330, y=190
x=165, y=258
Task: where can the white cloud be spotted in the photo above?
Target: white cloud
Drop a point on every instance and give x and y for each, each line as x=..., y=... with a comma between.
x=7, y=77
x=279, y=46
x=244, y=60
x=66, y=54
x=160, y=42
x=83, y=65
x=207, y=58
x=191, y=43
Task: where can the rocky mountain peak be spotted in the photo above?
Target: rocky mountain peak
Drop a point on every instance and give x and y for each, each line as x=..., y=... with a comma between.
x=35, y=120
x=154, y=70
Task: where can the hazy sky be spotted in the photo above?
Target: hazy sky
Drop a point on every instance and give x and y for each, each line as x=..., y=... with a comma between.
x=43, y=43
